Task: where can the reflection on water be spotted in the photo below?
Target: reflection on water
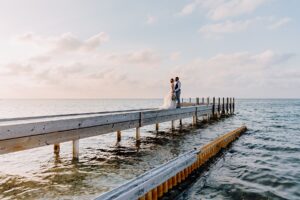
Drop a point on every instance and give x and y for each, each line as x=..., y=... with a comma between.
x=262, y=164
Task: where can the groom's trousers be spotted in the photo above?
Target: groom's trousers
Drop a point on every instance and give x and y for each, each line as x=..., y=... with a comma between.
x=178, y=98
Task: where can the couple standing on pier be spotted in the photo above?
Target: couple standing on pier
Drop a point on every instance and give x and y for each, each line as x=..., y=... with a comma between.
x=172, y=100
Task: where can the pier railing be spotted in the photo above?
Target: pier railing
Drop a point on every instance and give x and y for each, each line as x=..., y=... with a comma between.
x=19, y=134
x=157, y=182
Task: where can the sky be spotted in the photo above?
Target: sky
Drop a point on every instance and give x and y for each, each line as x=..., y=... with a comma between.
x=131, y=49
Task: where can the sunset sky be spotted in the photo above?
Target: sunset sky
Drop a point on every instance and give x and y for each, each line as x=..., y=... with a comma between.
x=131, y=48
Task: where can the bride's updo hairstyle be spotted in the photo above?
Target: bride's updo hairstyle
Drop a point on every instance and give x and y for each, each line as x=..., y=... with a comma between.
x=172, y=80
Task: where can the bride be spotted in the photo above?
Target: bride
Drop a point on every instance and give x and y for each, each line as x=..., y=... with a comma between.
x=170, y=99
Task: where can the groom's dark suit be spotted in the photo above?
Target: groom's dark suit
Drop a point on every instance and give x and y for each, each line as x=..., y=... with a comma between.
x=178, y=92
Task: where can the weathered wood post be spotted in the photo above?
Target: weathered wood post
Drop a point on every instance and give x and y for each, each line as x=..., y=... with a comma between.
x=138, y=129
x=75, y=149
x=230, y=105
x=190, y=100
x=197, y=101
x=56, y=148
x=181, y=100
x=118, y=136
x=154, y=194
x=233, y=104
x=138, y=134
x=180, y=122
x=207, y=101
x=227, y=103
x=214, y=107
x=219, y=106
x=195, y=118
x=202, y=100
x=173, y=125
x=157, y=126
x=223, y=107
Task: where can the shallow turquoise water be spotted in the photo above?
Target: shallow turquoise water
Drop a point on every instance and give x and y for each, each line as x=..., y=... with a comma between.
x=263, y=164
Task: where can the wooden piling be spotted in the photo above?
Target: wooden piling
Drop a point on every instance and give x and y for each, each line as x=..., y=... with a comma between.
x=230, y=105
x=142, y=198
x=207, y=100
x=190, y=100
x=157, y=126
x=75, y=149
x=197, y=101
x=219, y=106
x=213, y=106
x=194, y=122
x=138, y=134
x=180, y=122
x=118, y=136
x=233, y=105
x=56, y=148
x=154, y=194
x=149, y=195
x=202, y=100
x=227, y=105
x=173, y=125
x=170, y=184
x=223, y=107
x=160, y=190
x=174, y=181
x=166, y=187
x=179, y=177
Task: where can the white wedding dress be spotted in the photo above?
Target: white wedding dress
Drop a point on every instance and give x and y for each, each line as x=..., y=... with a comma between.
x=169, y=103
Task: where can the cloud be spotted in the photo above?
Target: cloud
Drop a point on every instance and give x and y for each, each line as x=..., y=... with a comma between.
x=189, y=8
x=145, y=56
x=151, y=19
x=69, y=64
x=211, y=30
x=175, y=56
x=17, y=69
x=227, y=74
x=280, y=23
x=216, y=30
x=222, y=9
x=67, y=42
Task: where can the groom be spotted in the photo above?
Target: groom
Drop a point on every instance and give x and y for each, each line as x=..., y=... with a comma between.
x=177, y=91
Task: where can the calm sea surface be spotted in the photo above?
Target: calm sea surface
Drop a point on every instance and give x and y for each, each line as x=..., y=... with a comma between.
x=263, y=164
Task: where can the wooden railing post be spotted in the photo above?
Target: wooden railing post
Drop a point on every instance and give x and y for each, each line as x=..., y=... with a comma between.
x=233, y=105
x=227, y=105
x=219, y=106
x=230, y=105
x=197, y=101
x=213, y=106
x=223, y=107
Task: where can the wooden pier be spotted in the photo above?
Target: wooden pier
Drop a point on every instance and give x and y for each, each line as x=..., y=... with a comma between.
x=19, y=134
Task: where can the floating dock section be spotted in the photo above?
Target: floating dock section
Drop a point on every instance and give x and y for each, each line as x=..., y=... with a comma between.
x=155, y=183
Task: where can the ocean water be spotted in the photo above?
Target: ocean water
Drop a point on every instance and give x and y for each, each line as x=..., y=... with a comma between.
x=262, y=164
